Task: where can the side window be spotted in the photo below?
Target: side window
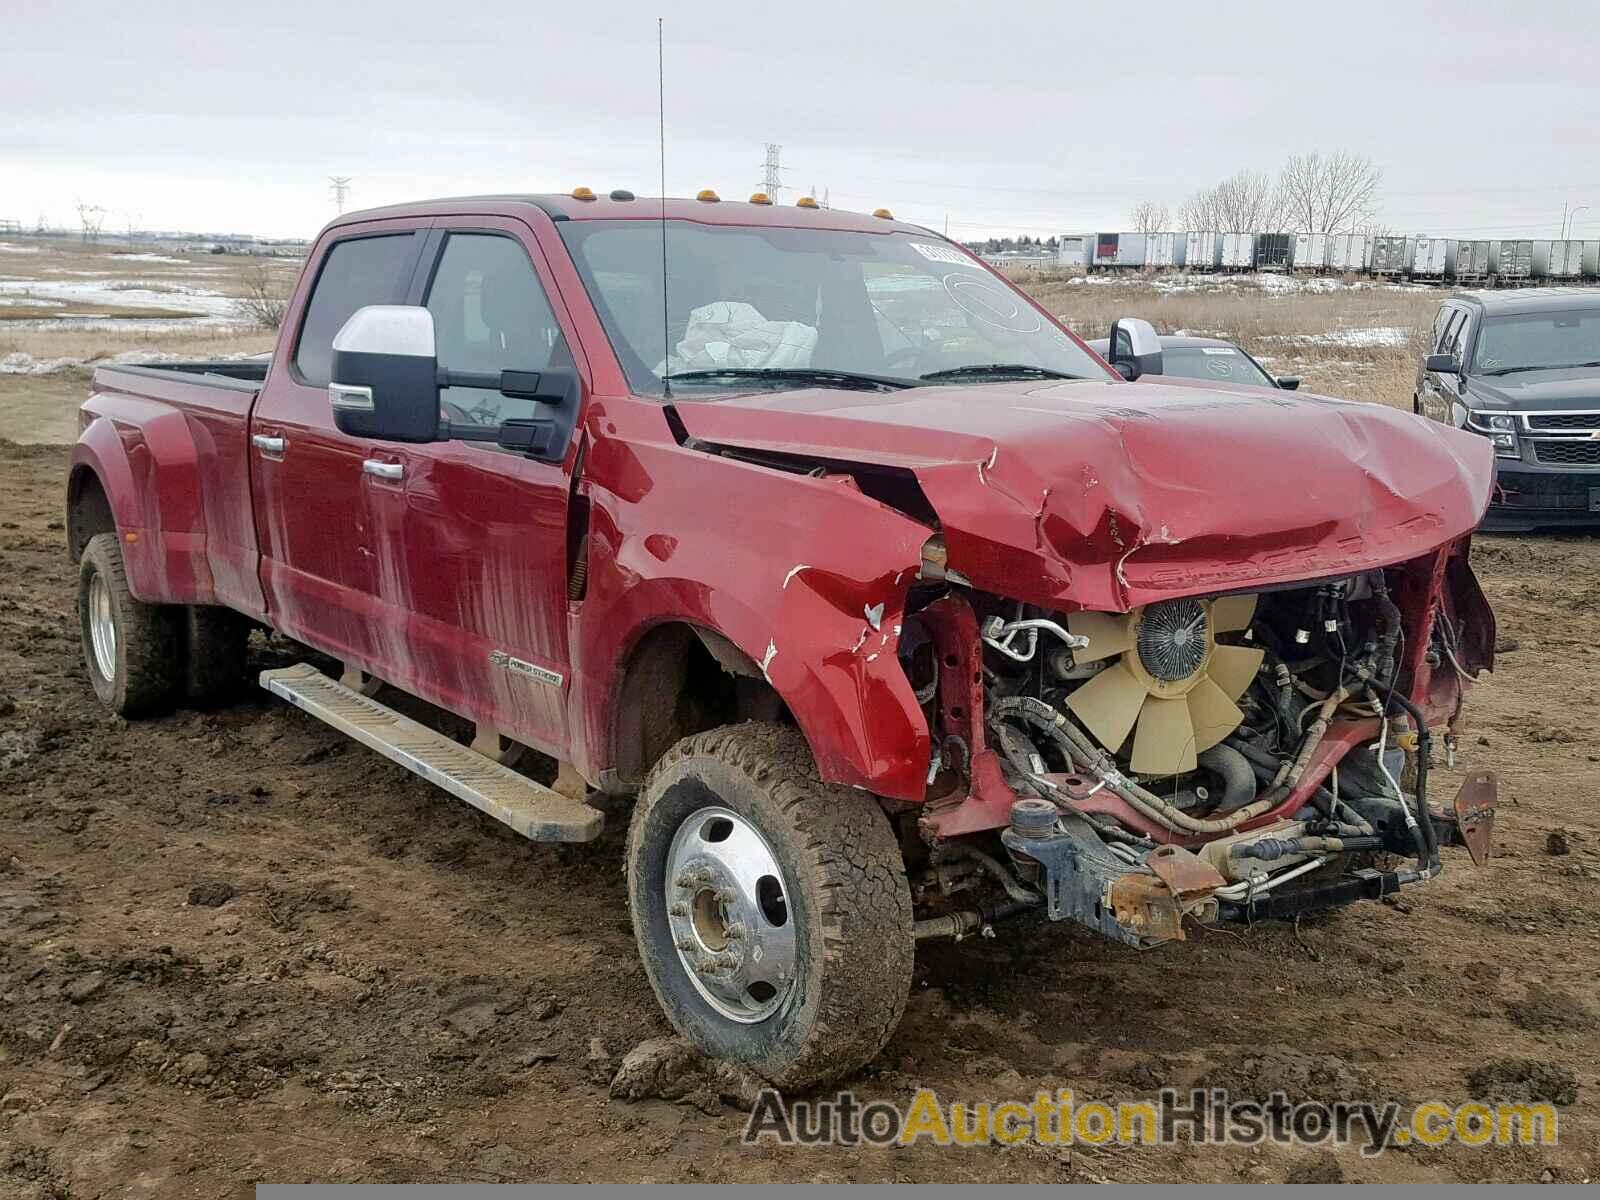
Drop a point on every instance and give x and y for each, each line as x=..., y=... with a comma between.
x=1440, y=324
x=490, y=314
x=355, y=273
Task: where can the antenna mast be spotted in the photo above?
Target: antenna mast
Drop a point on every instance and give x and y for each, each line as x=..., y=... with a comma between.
x=661, y=118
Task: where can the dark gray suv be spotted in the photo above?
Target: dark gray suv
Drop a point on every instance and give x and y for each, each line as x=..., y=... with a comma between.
x=1522, y=368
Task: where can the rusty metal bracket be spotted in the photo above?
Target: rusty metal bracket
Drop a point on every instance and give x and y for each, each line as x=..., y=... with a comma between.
x=1474, y=806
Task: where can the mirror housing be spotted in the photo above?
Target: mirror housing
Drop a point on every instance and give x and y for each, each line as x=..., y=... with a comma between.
x=1135, y=348
x=1289, y=383
x=385, y=375
x=1442, y=364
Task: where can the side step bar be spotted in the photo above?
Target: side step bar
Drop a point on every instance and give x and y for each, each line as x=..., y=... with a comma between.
x=533, y=810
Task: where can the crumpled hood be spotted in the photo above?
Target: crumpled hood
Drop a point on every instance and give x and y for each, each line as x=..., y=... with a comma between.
x=1112, y=495
x=1575, y=387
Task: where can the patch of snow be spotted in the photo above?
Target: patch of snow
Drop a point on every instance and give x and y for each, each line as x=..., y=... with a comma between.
x=161, y=258
x=13, y=248
x=1373, y=337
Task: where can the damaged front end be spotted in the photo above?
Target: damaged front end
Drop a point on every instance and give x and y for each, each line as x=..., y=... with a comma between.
x=1179, y=654
x=1231, y=757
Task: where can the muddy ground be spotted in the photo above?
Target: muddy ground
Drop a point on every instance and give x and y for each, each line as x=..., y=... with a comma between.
x=234, y=947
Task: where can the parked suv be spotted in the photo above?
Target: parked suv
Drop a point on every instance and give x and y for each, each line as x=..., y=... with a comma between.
x=1522, y=368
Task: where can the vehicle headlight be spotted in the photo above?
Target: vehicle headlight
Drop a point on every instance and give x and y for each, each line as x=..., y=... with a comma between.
x=1500, y=428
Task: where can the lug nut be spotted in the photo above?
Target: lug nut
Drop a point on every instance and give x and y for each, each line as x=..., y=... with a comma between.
x=680, y=909
x=726, y=895
x=734, y=932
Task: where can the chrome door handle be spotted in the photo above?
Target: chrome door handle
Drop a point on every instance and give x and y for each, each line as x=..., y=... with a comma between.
x=383, y=470
x=270, y=445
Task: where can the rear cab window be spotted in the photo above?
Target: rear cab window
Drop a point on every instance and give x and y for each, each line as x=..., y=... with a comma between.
x=356, y=272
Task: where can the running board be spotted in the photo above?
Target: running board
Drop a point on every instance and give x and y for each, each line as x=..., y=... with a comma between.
x=533, y=810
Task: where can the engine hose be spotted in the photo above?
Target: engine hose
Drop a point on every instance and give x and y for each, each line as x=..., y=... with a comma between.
x=1391, y=622
x=1042, y=716
x=1005, y=878
x=1238, y=780
x=1269, y=848
x=1313, y=738
x=1424, y=751
x=1016, y=747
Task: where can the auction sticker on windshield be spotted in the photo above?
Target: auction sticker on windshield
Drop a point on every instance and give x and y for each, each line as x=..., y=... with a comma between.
x=942, y=254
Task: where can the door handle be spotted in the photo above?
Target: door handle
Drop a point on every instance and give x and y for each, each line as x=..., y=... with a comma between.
x=383, y=470
x=269, y=445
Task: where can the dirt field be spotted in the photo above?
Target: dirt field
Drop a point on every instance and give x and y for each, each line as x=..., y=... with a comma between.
x=234, y=947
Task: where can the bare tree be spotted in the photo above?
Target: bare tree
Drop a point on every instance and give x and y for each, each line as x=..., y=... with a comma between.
x=1334, y=193
x=1246, y=201
x=266, y=295
x=1148, y=216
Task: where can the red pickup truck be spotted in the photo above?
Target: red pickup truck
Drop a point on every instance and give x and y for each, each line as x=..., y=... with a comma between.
x=898, y=610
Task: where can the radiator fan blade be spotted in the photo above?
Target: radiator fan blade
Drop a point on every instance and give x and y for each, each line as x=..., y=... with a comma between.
x=1214, y=714
x=1233, y=667
x=1109, y=704
x=1165, y=741
x=1108, y=634
x=1229, y=614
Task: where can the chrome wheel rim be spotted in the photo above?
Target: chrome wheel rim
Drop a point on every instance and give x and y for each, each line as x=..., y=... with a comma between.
x=102, y=627
x=729, y=913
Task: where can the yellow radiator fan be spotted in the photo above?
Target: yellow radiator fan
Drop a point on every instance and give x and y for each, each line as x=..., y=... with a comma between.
x=1173, y=685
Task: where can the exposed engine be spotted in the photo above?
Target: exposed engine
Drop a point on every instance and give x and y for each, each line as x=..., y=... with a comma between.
x=1191, y=723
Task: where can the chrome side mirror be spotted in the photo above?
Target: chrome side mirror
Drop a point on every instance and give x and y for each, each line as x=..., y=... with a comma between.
x=1135, y=347
x=386, y=375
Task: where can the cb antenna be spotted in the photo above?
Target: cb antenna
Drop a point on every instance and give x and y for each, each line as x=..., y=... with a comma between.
x=661, y=118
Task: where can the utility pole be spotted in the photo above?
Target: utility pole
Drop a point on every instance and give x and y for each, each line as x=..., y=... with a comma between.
x=772, y=179
x=340, y=186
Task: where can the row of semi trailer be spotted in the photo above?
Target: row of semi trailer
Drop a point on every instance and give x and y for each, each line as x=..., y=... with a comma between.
x=1497, y=260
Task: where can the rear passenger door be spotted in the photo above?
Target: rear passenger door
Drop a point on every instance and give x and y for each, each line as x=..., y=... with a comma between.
x=470, y=538
x=308, y=479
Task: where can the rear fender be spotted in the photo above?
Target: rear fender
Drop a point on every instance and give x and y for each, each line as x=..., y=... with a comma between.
x=147, y=467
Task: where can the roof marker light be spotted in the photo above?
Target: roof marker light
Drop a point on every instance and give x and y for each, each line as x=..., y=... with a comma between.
x=883, y=214
x=806, y=202
x=582, y=193
x=760, y=198
x=707, y=195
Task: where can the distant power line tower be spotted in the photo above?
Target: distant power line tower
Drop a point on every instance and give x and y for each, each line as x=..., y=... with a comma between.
x=340, y=186
x=772, y=180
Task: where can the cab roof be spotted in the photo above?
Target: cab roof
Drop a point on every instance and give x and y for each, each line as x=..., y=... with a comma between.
x=623, y=206
x=1531, y=300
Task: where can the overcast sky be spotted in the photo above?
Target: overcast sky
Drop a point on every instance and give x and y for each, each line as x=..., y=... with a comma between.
x=1034, y=115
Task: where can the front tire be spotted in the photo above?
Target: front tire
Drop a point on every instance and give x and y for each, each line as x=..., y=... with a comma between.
x=772, y=910
x=134, y=651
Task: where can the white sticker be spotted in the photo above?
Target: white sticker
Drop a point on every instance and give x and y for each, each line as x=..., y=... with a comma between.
x=944, y=254
x=1217, y=350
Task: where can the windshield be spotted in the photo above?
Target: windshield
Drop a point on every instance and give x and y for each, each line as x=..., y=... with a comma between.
x=1216, y=363
x=748, y=299
x=1532, y=341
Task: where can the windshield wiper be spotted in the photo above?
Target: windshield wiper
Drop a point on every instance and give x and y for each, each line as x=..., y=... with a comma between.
x=998, y=371
x=1542, y=367
x=819, y=376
